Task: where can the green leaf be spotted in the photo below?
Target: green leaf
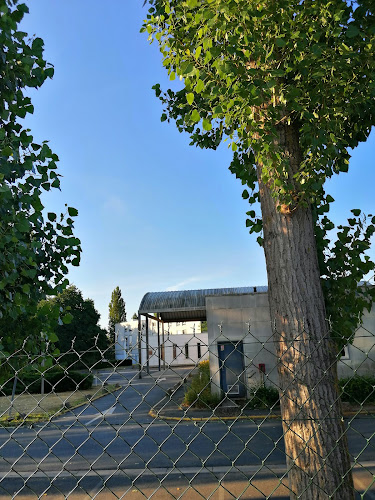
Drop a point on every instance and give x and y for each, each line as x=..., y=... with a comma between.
x=52, y=337
x=199, y=86
x=190, y=98
x=356, y=211
x=72, y=211
x=23, y=226
x=280, y=42
x=67, y=318
x=186, y=68
x=195, y=116
x=198, y=51
x=51, y=216
x=257, y=228
x=207, y=124
x=352, y=31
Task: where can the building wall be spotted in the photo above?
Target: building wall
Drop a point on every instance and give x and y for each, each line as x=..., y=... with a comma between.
x=243, y=318
x=246, y=318
x=359, y=357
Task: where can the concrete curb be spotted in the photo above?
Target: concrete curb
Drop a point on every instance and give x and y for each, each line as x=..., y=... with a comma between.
x=156, y=414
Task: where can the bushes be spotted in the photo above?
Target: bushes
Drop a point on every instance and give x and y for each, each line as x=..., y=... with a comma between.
x=199, y=392
x=358, y=389
x=263, y=397
x=55, y=379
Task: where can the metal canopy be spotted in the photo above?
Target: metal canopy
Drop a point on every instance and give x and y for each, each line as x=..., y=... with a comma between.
x=188, y=305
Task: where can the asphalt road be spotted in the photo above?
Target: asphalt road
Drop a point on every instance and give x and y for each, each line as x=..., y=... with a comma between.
x=113, y=448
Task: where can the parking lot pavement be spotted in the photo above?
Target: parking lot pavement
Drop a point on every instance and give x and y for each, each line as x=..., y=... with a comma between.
x=132, y=402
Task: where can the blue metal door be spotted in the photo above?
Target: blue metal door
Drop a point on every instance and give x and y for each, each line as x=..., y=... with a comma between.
x=232, y=369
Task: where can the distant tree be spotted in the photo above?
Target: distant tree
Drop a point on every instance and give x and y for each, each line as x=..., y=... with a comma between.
x=117, y=312
x=135, y=316
x=204, y=326
x=83, y=331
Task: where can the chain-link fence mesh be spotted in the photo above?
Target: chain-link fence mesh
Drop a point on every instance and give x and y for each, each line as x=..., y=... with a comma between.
x=189, y=414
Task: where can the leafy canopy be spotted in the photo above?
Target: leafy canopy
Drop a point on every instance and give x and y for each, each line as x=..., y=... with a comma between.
x=79, y=331
x=249, y=69
x=248, y=66
x=35, y=247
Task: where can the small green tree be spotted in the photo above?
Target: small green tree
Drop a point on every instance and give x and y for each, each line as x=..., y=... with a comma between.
x=80, y=332
x=35, y=247
x=117, y=312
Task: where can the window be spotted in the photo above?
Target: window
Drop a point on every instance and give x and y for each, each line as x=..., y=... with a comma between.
x=174, y=351
x=186, y=351
x=199, y=350
x=345, y=353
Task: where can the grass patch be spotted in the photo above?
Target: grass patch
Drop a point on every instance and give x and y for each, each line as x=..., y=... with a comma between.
x=31, y=408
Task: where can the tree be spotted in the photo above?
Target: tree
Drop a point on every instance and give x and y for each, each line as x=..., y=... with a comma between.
x=135, y=316
x=117, y=312
x=35, y=247
x=290, y=85
x=80, y=332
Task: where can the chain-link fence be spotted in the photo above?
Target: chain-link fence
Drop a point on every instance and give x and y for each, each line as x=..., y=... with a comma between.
x=190, y=414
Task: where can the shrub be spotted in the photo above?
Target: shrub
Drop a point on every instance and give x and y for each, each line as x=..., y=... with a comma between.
x=55, y=379
x=358, y=389
x=199, y=393
x=263, y=397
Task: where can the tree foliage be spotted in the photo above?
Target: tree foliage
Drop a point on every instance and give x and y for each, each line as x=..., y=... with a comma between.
x=35, y=247
x=249, y=68
x=79, y=330
x=117, y=312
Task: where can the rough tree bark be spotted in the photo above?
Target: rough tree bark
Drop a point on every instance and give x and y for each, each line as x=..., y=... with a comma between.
x=316, y=446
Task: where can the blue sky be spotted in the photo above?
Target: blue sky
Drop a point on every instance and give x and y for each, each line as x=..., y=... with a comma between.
x=154, y=213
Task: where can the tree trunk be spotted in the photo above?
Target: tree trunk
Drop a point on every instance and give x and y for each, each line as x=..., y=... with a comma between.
x=315, y=442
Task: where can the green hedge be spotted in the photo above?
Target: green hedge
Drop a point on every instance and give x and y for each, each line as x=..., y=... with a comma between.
x=263, y=397
x=55, y=379
x=358, y=389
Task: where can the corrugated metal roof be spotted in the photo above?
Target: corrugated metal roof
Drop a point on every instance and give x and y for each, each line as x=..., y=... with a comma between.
x=188, y=304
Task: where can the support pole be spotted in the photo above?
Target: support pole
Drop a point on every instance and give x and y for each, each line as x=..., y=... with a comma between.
x=147, y=349
x=162, y=333
x=159, y=350
x=139, y=345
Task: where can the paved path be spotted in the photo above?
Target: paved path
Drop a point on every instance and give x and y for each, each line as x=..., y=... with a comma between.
x=114, y=447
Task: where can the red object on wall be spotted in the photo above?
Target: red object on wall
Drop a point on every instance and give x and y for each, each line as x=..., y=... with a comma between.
x=262, y=367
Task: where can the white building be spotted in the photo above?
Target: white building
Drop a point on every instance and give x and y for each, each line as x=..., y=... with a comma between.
x=240, y=338
x=178, y=343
